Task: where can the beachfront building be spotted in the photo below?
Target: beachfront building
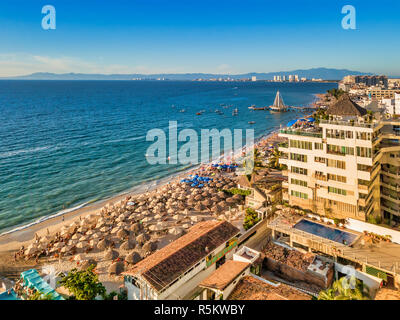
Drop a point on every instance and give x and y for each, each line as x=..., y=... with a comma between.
x=175, y=271
x=265, y=188
x=345, y=167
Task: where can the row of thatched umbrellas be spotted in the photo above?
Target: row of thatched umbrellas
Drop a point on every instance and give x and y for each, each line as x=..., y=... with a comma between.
x=120, y=220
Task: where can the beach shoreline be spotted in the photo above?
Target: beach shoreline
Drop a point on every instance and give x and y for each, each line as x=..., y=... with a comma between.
x=12, y=240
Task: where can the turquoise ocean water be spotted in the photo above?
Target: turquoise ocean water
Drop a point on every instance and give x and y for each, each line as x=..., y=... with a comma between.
x=66, y=143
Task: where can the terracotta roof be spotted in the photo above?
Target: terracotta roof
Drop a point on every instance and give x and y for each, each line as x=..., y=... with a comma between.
x=224, y=275
x=168, y=263
x=250, y=288
x=346, y=107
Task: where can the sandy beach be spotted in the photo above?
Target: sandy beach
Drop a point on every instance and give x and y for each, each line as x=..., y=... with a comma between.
x=114, y=233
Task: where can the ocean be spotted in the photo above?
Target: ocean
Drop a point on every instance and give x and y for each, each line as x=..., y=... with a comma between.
x=67, y=143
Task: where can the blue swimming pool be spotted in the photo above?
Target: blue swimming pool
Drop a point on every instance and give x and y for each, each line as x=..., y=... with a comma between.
x=326, y=232
x=9, y=296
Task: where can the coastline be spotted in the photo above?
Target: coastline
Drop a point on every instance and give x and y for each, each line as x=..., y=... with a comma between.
x=12, y=240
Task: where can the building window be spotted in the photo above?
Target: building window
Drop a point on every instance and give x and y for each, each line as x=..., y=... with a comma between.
x=299, y=170
x=300, y=144
x=299, y=182
x=318, y=146
x=336, y=177
x=298, y=194
x=336, y=164
x=337, y=191
x=298, y=157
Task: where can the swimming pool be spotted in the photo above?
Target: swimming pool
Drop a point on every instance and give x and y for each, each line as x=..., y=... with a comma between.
x=326, y=232
x=11, y=296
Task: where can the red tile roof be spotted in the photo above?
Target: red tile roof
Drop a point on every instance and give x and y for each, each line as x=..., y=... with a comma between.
x=224, y=275
x=250, y=288
x=168, y=263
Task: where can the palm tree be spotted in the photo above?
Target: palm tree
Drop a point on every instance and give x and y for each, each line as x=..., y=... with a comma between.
x=342, y=290
x=274, y=159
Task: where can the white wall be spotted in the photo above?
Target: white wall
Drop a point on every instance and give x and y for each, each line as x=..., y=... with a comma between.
x=373, y=283
x=361, y=226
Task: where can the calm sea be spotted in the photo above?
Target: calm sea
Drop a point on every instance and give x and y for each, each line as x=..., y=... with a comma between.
x=66, y=143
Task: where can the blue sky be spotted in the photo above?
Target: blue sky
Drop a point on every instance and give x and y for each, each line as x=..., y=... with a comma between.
x=220, y=36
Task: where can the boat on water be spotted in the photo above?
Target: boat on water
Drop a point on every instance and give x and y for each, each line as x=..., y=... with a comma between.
x=182, y=110
x=235, y=112
x=279, y=105
x=254, y=108
x=252, y=122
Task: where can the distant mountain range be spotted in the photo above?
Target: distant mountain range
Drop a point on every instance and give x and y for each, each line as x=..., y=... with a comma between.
x=319, y=73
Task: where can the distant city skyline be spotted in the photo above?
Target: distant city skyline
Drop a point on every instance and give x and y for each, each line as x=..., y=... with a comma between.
x=223, y=37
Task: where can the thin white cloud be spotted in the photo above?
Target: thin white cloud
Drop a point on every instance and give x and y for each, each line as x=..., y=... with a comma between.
x=23, y=64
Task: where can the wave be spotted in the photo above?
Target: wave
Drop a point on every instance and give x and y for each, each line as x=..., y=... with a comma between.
x=9, y=154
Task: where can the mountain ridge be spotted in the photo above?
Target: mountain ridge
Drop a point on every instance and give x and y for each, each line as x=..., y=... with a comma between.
x=320, y=73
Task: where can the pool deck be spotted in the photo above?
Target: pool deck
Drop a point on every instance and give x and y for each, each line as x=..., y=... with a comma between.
x=384, y=256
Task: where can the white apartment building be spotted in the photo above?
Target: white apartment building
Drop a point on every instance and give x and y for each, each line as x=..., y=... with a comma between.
x=392, y=105
x=346, y=167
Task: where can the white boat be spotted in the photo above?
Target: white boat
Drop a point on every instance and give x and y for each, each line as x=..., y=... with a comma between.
x=279, y=105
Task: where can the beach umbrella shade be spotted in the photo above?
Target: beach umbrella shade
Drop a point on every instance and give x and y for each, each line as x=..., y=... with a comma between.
x=76, y=236
x=171, y=211
x=79, y=257
x=230, y=201
x=186, y=226
x=221, y=194
x=90, y=232
x=215, y=198
x=128, y=245
x=177, y=217
x=175, y=231
x=66, y=249
x=142, y=238
x=83, y=238
x=158, y=216
x=216, y=209
x=199, y=207
x=96, y=235
x=111, y=254
x=116, y=268
x=136, y=227
x=122, y=233
x=115, y=230
x=150, y=246
x=147, y=219
x=94, y=242
x=198, y=197
x=82, y=245
x=155, y=228
x=87, y=263
x=206, y=202
x=133, y=257
x=103, y=244
x=195, y=219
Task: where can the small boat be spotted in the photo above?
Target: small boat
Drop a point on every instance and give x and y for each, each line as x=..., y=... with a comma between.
x=182, y=110
x=198, y=113
x=252, y=122
x=257, y=109
x=235, y=112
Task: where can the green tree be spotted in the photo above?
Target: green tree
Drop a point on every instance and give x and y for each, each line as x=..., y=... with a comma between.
x=251, y=218
x=37, y=295
x=84, y=284
x=345, y=289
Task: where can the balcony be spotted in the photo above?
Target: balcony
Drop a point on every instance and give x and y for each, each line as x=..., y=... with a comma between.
x=320, y=177
x=349, y=123
x=314, y=133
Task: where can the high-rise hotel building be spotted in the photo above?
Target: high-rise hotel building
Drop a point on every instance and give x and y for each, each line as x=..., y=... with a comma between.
x=344, y=167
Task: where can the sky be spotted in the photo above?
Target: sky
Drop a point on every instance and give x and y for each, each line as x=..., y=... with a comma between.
x=219, y=36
